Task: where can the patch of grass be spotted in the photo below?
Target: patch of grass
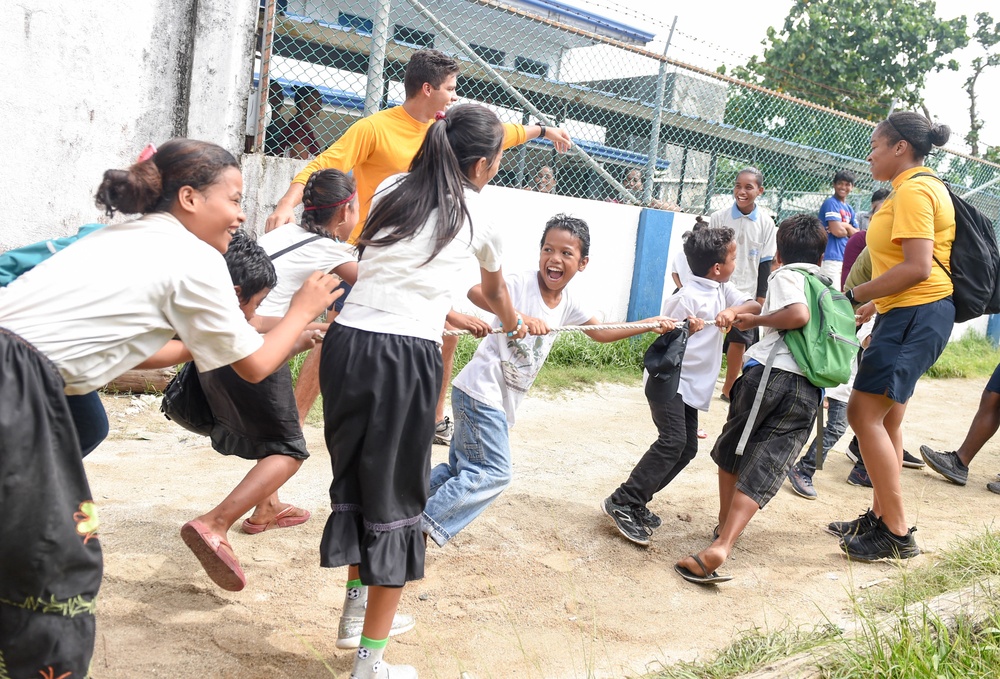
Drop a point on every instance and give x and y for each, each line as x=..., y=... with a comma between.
x=972, y=356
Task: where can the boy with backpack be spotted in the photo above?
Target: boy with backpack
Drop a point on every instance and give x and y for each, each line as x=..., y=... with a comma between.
x=774, y=402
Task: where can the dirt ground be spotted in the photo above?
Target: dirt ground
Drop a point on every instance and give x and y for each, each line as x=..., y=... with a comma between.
x=541, y=585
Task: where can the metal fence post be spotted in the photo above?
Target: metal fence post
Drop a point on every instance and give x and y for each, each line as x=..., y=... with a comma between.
x=376, y=58
x=654, y=136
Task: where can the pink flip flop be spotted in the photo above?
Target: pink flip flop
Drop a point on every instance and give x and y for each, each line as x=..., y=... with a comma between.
x=281, y=520
x=215, y=554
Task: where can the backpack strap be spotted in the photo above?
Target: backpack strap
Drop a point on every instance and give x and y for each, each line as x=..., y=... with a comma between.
x=931, y=174
x=296, y=246
x=757, y=400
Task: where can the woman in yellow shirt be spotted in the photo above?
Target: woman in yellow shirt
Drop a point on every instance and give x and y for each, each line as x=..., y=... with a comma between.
x=913, y=297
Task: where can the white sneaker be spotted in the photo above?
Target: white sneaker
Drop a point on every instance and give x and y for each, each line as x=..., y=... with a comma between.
x=349, y=630
x=443, y=432
x=383, y=670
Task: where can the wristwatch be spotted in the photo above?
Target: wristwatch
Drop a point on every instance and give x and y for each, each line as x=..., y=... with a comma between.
x=849, y=294
x=541, y=130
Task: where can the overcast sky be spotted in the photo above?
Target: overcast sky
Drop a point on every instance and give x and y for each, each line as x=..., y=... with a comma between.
x=712, y=31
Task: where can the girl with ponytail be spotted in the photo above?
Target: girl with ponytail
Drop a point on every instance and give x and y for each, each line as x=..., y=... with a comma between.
x=909, y=239
x=71, y=325
x=381, y=367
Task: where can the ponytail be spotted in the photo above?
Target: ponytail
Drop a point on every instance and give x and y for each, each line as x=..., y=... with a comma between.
x=152, y=185
x=438, y=177
x=327, y=192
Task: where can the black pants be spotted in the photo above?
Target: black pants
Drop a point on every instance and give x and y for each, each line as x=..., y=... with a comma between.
x=50, y=557
x=674, y=448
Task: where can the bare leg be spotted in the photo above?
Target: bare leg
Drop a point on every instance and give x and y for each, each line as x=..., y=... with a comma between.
x=984, y=426
x=266, y=477
x=307, y=387
x=740, y=511
x=382, y=605
x=265, y=512
x=448, y=347
x=734, y=363
x=871, y=416
x=727, y=488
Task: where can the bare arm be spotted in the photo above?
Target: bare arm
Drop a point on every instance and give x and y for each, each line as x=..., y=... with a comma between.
x=789, y=318
x=558, y=136
x=840, y=229
x=665, y=325
x=724, y=320
x=918, y=258
x=284, y=211
x=173, y=353
x=497, y=298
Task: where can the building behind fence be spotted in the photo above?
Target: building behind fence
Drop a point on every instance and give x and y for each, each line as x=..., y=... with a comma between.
x=648, y=128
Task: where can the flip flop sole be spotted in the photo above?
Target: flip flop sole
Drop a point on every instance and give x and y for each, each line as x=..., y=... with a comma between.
x=220, y=567
x=280, y=522
x=712, y=578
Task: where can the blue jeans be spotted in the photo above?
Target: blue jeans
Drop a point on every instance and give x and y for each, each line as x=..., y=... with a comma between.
x=477, y=471
x=836, y=425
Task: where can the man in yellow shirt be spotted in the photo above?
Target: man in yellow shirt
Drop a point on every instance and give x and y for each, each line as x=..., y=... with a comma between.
x=384, y=144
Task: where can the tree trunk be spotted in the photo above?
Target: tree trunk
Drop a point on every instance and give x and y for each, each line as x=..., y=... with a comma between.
x=142, y=381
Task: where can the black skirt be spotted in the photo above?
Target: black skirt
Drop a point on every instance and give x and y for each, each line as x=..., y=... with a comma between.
x=50, y=555
x=379, y=395
x=253, y=421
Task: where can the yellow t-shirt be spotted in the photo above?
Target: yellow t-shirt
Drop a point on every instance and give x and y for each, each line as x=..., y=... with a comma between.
x=916, y=208
x=379, y=146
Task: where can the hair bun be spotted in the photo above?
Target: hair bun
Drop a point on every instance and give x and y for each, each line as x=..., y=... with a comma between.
x=132, y=191
x=939, y=134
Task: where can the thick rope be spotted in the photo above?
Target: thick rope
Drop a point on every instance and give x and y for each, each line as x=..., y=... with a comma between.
x=577, y=328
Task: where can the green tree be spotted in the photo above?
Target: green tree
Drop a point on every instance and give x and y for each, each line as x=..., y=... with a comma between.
x=857, y=56
x=988, y=36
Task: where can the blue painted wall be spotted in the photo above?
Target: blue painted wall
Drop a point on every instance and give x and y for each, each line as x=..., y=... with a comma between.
x=651, y=250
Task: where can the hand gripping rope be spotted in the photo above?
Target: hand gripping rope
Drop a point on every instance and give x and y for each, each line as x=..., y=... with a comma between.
x=576, y=328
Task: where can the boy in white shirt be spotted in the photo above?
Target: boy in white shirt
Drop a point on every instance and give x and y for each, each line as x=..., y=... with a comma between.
x=486, y=393
x=707, y=294
x=755, y=248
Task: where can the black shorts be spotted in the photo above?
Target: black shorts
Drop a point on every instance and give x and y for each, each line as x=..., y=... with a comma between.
x=736, y=336
x=784, y=422
x=379, y=394
x=994, y=384
x=906, y=341
x=50, y=554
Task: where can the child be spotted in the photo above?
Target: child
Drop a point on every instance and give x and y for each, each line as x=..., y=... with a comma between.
x=711, y=255
x=755, y=247
x=679, y=270
x=747, y=482
x=839, y=220
x=486, y=394
x=70, y=325
x=381, y=367
x=330, y=214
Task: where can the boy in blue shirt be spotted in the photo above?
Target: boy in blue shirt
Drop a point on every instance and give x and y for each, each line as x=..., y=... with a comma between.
x=840, y=223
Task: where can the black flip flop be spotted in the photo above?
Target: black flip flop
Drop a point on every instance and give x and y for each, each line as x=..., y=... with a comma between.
x=712, y=578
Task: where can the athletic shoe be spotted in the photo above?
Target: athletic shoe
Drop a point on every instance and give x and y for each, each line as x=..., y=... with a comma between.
x=349, y=630
x=946, y=464
x=801, y=483
x=648, y=518
x=628, y=524
x=854, y=452
x=443, y=432
x=383, y=670
x=880, y=543
x=862, y=524
x=912, y=461
x=993, y=487
x=859, y=477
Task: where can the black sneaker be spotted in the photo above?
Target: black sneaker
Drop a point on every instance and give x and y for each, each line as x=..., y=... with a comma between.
x=880, y=543
x=912, y=461
x=801, y=483
x=854, y=451
x=862, y=524
x=859, y=477
x=946, y=464
x=628, y=524
x=648, y=518
x=993, y=487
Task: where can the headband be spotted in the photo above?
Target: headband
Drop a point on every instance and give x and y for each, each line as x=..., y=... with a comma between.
x=901, y=135
x=337, y=204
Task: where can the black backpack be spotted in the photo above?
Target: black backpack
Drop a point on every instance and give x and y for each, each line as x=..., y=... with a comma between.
x=975, y=260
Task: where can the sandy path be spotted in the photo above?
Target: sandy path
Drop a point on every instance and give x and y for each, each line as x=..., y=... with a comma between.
x=540, y=586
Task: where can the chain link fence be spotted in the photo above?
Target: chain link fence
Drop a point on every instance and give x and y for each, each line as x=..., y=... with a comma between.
x=648, y=128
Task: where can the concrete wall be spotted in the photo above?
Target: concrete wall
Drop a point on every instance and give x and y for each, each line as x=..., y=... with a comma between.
x=101, y=80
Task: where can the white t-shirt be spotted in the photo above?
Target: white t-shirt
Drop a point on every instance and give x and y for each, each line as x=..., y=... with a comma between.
x=294, y=267
x=755, y=243
x=398, y=293
x=681, y=268
x=702, y=298
x=503, y=369
x=785, y=286
x=95, y=319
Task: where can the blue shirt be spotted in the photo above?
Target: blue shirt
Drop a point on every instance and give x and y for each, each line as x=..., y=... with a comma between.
x=835, y=211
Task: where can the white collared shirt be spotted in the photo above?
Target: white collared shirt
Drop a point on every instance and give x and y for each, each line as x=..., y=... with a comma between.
x=755, y=243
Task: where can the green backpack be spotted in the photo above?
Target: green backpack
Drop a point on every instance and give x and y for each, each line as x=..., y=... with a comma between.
x=824, y=347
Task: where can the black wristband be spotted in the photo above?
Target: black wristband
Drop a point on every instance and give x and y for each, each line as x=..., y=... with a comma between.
x=849, y=294
x=541, y=130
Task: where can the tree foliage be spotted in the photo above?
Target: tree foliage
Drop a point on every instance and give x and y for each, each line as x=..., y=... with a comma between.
x=857, y=55
x=988, y=36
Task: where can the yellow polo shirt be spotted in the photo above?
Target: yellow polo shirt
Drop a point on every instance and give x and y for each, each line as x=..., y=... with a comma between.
x=916, y=208
x=379, y=146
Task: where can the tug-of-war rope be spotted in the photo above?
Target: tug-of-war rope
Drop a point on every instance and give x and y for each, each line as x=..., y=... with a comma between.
x=575, y=328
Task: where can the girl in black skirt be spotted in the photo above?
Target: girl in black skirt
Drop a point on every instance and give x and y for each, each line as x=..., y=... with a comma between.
x=72, y=324
x=381, y=371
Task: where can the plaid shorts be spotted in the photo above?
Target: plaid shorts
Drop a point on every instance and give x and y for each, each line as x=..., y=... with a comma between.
x=784, y=421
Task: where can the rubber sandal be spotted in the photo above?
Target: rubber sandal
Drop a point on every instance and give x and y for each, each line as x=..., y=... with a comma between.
x=715, y=533
x=216, y=556
x=280, y=521
x=712, y=578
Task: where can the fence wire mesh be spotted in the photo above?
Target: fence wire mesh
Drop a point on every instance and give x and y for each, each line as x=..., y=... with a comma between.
x=648, y=128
